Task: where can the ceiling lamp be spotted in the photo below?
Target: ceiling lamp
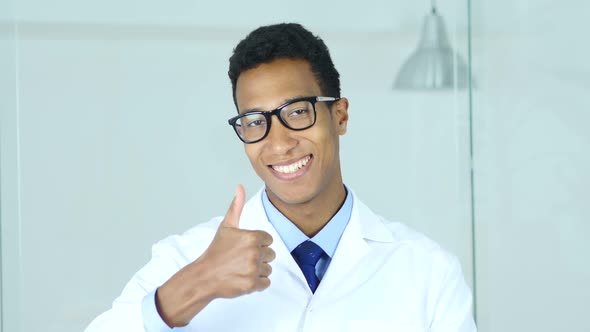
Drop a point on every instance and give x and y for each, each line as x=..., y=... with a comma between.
x=434, y=64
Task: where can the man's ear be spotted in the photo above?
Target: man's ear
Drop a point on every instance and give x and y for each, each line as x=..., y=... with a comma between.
x=340, y=115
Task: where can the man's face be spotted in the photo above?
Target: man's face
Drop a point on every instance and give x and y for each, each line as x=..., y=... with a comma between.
x=296, y=166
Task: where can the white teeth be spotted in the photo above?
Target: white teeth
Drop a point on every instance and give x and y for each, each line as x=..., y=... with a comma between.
x=287, y=169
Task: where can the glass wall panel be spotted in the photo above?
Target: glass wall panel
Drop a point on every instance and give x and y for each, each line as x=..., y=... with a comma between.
x=532, y=137
x=10, y=304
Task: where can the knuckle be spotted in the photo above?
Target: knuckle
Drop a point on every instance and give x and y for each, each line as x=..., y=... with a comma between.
x=264, y=283
x=251, y=269
x=249, y=285
x=253, y=256
x=260, y=236
x=251, y=238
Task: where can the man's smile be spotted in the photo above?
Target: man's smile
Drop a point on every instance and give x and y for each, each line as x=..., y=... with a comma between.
x=291, y=169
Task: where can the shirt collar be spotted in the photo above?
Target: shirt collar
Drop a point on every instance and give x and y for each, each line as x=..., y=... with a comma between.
x=327, y=238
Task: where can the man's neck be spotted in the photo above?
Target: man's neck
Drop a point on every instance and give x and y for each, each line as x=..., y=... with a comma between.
x=312, y=216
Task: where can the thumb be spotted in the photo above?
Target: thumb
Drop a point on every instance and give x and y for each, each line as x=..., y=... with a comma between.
x=232, y=217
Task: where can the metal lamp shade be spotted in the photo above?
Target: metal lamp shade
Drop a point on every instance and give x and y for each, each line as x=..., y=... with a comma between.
x=433, y=65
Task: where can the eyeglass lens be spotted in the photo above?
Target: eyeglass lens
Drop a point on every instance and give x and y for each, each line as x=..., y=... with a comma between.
x=299, y=115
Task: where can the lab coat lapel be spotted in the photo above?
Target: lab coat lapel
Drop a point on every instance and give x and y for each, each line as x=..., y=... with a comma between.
x=355, y=260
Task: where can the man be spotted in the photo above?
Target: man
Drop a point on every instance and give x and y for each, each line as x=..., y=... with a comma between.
x=304, y=254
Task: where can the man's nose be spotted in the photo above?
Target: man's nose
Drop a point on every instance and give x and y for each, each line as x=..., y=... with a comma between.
x=280, y=138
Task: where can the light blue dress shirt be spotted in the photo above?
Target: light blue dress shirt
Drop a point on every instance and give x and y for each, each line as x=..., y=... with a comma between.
x=327, y=238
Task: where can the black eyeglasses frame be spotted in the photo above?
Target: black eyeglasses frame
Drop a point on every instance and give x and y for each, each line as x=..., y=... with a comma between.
x=277, y=111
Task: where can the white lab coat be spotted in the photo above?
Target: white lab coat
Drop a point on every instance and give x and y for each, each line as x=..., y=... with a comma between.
x=383, y=277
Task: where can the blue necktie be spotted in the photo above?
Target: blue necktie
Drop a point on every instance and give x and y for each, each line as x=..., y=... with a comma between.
x=307, y=255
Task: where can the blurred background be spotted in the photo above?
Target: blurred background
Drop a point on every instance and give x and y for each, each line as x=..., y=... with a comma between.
x=114, y=136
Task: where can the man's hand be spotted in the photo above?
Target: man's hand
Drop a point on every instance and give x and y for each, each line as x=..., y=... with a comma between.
x=235, y=263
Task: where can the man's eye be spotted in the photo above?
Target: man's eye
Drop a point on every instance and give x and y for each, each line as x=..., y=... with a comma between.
x=298, y=112
x=255, y=123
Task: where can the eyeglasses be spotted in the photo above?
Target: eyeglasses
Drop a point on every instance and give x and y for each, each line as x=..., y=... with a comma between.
x=297, y=114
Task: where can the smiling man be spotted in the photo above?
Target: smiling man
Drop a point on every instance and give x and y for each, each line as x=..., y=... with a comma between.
x=298, y=159
x=304, y=253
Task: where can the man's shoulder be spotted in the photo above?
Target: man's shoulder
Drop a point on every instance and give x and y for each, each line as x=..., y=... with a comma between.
x=397, y=232
x=415, y=244
x=405, y=240
x=406, y=235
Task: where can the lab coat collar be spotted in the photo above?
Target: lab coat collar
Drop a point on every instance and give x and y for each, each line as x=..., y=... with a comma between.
x=369, y=225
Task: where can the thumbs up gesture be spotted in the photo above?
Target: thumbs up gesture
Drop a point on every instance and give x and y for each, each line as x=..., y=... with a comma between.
x=240, y=257
x=235, y=263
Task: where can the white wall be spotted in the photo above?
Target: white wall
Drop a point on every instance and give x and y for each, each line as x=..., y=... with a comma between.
x=532, y=134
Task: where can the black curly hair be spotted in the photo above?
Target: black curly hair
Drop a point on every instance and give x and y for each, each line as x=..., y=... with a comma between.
x=285, y=40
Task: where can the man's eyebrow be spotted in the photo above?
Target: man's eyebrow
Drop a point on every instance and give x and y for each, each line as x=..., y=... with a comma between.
x=285, y=101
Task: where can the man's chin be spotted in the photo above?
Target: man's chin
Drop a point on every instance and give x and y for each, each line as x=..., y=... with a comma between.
x=289, y=197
